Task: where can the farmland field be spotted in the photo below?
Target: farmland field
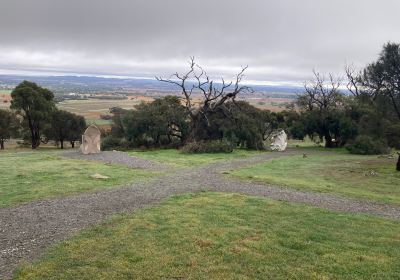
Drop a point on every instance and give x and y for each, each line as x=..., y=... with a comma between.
x=91, y=109
x=5, y=91
x=5, y=98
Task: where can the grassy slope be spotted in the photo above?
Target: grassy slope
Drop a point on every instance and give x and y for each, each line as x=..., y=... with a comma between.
x=178, y=159
x=28, y=176
x=227, y=236
x=333, y=172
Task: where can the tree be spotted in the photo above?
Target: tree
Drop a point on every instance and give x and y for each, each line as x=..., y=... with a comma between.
x=158, y=123
x=383, y=76
x=214, y=96
x=9, y=123
x=376, y=91
x=321, y=102
x=35, y=104
x=65, y=126
x=243, y=124
x=117, y=128
x=78, y=125
x=398, y=163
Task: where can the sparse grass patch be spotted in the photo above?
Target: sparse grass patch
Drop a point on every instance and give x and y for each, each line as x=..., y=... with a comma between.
x=227, y=236
x=365, y=177
x=176, y=158
x=27, y=176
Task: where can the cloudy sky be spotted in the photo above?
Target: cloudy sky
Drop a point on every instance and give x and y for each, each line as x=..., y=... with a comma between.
x=281, y=41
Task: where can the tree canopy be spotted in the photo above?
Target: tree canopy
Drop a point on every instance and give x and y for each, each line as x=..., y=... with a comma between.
x=35, y=104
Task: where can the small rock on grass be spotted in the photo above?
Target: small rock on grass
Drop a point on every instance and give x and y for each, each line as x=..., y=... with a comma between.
x=99, y=176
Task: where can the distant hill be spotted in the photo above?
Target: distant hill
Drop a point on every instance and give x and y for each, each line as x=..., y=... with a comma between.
x=87, y=84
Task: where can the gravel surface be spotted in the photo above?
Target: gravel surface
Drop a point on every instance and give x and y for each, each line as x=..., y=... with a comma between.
x=27, y=230
x=117, y=158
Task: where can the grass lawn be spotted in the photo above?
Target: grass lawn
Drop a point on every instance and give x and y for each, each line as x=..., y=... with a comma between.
x=227, y=236
x=333, y=172
x=178, y=159
x=27, y=176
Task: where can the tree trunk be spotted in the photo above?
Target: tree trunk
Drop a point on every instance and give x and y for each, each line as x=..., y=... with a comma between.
x=62, y=144
x=1, y=144
x=72, y=144
x=35, y=139
x=397, y=110
x=398, y=164
x=328, y=140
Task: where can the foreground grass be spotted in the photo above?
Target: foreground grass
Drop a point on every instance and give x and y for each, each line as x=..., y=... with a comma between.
x=332, y=172
x=227, y=236
x=176, y=158
x=28, y=176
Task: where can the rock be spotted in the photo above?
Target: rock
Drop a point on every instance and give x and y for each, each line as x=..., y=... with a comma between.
x=91, y=140
x=371, y=173
x=99, y=176
x=279, y=141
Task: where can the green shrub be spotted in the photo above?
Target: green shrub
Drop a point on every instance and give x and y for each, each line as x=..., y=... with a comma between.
x=214, y=146
x=111, y=142
x=366, y=145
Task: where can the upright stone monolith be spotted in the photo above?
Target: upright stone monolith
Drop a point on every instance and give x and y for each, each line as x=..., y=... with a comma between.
x=91, y=140
x=279, y=141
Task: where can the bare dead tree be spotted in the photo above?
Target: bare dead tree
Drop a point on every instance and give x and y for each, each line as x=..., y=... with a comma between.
x=214, y=95
x=321, y=92
x=353, y=80
x=362, y=83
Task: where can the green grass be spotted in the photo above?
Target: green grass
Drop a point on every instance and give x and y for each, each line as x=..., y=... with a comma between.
x=27, y=176
x=178, y=159
x=227, y=236
x=332, y=172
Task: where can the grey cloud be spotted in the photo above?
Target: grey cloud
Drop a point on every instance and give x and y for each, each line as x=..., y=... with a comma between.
x=279, y=40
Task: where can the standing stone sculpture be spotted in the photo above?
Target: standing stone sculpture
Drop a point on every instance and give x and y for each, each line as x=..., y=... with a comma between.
x=91, y=140
x=279, y=141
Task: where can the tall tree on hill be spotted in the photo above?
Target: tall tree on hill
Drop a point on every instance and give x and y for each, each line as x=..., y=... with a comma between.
x=65, y=126
x=377, y=96
x=35, y=104
x=214, y=96
x=77, y=128
x=9, y=123
x=383, y=76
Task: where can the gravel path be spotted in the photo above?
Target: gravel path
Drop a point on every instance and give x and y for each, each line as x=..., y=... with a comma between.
x=27, y=230
x=118, y=158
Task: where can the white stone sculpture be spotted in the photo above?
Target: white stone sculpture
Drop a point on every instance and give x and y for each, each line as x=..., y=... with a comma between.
x=279, y=141
x=91, y=140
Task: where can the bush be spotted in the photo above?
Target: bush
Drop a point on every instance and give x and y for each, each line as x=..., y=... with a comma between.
x=110, y=142
x=366, y=145
x=214, y=146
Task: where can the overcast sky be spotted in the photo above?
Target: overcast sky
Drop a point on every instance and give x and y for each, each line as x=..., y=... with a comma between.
x=281, y=41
